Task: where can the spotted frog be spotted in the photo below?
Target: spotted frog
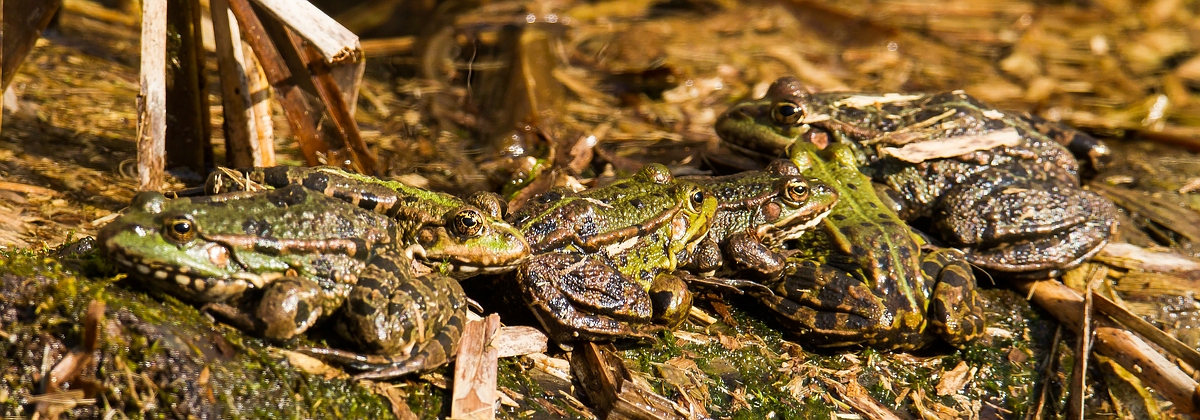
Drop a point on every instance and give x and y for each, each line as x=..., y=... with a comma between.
x=864, y=278
x=603, y=259
x=1002, y=187
x=757, y=211
x=460, y=238
x=276, y=262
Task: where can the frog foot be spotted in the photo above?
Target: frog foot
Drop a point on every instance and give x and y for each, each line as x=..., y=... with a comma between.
x=579, y=297
x=829, y=307
x=287, y=307
x=955, y=308
x=404, y=324
x=433, y=353
x=1025, y=228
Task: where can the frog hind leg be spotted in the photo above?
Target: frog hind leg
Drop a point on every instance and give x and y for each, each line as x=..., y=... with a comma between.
x=1007, y=222
x=828, y=307
x=287, y=307
x=955, y=308
x=578, y=297
x=403, y=324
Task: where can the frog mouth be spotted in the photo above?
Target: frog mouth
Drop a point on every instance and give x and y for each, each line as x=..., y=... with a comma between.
x=777, y=234
x=416, y=252
x=184, y=279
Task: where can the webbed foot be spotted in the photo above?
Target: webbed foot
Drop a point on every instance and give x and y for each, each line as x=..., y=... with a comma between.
x=579, y=297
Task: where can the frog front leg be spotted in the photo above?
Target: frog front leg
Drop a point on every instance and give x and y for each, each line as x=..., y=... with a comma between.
x=740, y=252
x=955, y=308
x=401, y=323
x=286, y=308
x=746, y=252
x=828, y=307
x=579, y=297
x=1020, y=225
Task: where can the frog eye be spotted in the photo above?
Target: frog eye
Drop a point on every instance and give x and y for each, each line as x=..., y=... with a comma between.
x=796, y=190
x=696, y=199
x=179, y=228
x=467, y=222
x=787, y=113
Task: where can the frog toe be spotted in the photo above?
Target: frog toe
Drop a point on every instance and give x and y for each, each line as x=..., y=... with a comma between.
x=955, y=308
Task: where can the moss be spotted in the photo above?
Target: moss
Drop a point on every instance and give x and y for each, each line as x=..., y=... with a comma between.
x=156, y=357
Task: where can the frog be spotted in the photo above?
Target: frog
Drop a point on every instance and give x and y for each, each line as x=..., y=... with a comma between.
x=461, y=238
x=864, y=278
x=757, y=212
x=1002, y=187
x=277, y=262
x=604, y=259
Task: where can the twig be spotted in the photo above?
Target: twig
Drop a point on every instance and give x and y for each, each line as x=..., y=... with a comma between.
x=299, y=115
x=331, y=95
x=241, y=137
x=152, y=99
x=1083, y=349
x=335, y=43
x=1122, y=346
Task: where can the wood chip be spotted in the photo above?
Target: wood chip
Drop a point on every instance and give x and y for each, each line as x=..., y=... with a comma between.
x=953, y=381
x=554, y=366
x=952, y=146
x=1131, y=256
x=857, y=397
x=335, y=43
x=475, y=371
x=1192, y=184
x=519, y=341
x=614, y=389
x=312, y=365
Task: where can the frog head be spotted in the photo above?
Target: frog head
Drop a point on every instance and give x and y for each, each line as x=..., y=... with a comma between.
x=159, y=241
x=471, y=238
x=798, y=203
x=770, y=124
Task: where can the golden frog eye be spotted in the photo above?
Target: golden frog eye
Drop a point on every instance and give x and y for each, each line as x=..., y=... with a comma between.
x=179, y=228
x=787, y=113
x=796, y=190
x=696, y=200
x=468, y=222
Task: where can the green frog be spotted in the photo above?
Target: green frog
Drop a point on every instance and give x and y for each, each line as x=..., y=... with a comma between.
x=460, y=238
x=604, y=259
x=277, y=262
x=1003, y=187
x=757, y=211
x=863, y=277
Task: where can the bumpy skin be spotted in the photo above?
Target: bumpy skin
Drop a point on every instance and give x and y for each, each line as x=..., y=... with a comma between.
x=862, y=278
x=460, y=238
x=603, y=259
x=757, y=211
x=997, y=185
x=277, y=262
